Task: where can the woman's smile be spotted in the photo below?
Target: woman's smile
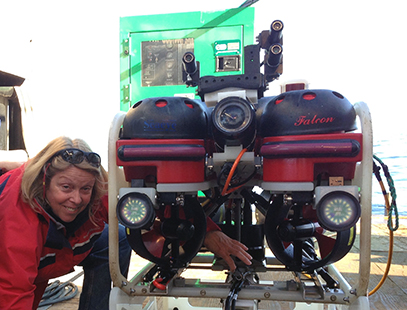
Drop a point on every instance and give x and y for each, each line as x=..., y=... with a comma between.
x=73, y=210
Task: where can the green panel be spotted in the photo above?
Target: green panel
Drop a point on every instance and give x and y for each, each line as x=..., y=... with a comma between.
x=152, y=48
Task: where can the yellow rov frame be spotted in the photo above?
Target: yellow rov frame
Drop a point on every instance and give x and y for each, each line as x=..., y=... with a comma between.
x=132, y=293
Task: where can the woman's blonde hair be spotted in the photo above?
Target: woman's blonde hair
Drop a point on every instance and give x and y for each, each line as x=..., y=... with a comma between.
x=41, y=168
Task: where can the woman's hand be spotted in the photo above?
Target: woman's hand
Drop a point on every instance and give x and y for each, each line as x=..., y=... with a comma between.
x=223, y=246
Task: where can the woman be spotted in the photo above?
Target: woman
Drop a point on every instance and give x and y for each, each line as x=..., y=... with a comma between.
x=52, y=210
x=50, y=214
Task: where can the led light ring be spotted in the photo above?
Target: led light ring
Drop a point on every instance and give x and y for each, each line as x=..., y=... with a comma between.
x=135, y=211
x=284, y=251
x=338, y=211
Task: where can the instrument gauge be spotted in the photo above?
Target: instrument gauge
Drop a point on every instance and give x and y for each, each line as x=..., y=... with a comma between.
x=233, y=114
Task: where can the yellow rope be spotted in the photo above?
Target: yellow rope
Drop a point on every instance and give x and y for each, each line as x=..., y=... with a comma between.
x=389, y=258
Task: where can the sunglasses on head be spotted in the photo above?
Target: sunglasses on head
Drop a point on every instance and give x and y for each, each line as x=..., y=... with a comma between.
x=76, y=156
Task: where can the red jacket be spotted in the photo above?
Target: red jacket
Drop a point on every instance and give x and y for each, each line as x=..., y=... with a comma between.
x=34, y=247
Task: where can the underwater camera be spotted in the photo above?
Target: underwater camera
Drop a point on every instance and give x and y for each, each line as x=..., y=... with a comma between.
x=277, y=173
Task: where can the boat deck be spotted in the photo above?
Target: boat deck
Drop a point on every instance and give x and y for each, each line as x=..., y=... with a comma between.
x=391, y=296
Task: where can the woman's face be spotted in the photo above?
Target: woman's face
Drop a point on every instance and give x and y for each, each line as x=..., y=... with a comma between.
x=69, y=192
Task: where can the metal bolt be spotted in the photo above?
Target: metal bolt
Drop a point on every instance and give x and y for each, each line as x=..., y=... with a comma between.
x=144, y=290
x=333, y=298
x=202, y=292
x=267, y=295
x=126, y=51
x=124, y=283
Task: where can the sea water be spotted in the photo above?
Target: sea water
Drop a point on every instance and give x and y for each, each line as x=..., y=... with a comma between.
x=391, y=148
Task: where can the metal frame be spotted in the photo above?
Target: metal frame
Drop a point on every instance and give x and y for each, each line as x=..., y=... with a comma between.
x=132, y=294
